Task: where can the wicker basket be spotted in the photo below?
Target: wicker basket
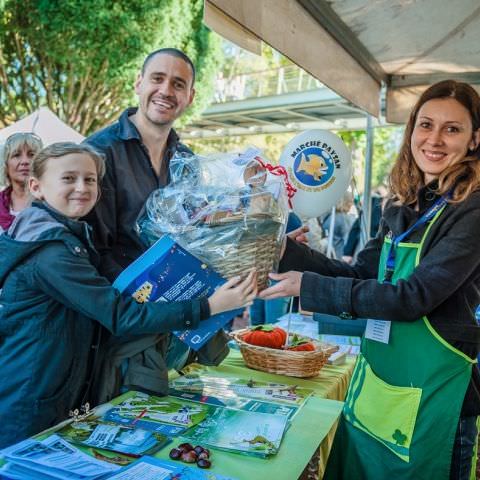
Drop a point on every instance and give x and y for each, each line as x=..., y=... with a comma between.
x=233, y=246
x=284, y=362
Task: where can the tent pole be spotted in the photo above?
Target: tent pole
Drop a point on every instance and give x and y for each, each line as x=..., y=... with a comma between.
x=331, y=232
x=367, y=187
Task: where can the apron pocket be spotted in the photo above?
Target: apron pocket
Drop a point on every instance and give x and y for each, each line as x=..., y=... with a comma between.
x=386, y=412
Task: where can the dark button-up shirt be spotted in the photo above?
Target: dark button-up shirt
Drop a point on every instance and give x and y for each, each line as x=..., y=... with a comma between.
x=129, y=180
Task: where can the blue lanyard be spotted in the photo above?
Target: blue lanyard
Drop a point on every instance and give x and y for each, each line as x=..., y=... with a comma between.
x=425, y=218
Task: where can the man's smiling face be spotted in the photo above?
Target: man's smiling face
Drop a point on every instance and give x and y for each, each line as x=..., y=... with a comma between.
x=165, y=89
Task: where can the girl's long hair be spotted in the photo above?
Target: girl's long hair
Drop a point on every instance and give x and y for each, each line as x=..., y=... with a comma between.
x=462, y=178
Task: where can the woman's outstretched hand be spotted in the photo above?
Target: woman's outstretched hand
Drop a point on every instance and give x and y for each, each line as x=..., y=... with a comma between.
x=233, y=294
x=298, y=235
x=288, y=285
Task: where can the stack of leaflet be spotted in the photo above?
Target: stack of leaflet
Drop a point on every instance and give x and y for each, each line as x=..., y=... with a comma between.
x=250, y=433
x=257, y=414
x=233, y=391
x=149, y=468
x=239, y=403
x=217, y=427
x=52, y=458
x=165, y=415
x=98, y=434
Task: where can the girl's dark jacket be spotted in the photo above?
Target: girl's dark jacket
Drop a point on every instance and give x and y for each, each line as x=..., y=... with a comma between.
x=445, y=286
x=51, y=299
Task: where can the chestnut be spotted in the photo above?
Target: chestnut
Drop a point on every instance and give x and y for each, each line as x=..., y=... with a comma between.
x=189, y=457
x=203, y=463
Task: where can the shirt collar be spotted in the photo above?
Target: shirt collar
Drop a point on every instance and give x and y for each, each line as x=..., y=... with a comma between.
x=128, y=131
x=427, y=195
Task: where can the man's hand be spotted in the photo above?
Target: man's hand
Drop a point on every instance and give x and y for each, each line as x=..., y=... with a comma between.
x=288, y=285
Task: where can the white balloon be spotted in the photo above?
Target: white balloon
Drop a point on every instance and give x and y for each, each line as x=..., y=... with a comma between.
x=319, y=166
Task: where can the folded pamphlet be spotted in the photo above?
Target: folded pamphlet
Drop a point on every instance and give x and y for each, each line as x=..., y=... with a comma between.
x=168, y=273
x=51, y=458
x=149, y=468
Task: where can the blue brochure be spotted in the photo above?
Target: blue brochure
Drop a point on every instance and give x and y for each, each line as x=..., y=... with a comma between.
x=168, y=273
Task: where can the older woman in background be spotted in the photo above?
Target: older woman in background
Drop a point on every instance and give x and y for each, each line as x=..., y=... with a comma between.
x=18, y=152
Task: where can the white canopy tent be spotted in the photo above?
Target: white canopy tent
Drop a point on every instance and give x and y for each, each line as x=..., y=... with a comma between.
x=362, y=50
x=46, y=125
x=378, y=55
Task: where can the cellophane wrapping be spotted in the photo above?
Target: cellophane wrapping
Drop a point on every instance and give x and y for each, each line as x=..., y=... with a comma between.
x=226, y=209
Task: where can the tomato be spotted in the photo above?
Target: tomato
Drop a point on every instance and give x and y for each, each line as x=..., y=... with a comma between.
x=301, y=344
x=266, y=336
x=303, y=347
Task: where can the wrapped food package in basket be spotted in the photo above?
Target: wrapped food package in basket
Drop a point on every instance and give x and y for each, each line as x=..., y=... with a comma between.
x=226, y=209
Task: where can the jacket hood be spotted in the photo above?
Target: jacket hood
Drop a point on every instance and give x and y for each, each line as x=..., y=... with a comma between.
x=31, y=229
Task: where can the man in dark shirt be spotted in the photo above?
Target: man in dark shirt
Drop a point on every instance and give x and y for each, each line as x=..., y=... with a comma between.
x=138, y=148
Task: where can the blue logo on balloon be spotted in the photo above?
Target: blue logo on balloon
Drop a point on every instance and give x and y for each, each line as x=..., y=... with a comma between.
x=313, y=166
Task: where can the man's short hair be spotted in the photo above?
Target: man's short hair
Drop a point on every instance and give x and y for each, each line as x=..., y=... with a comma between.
x=174, y=52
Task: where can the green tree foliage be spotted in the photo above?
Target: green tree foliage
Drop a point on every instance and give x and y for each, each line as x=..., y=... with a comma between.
x=80, y=57
x=386, y=143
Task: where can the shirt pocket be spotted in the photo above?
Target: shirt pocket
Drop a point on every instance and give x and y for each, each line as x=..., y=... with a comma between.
x=386, y=412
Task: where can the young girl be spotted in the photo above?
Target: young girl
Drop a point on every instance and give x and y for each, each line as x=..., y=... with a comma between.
x=18, y=152
x=52, y=297
x=414, y=397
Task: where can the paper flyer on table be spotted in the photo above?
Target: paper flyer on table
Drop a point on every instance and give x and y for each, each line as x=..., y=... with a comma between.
x=149, y=468
x=196, y=381
x=251, y=433
x=55, y=457
x=167, y=415
x=113, y=437
x=238, y=403
x=168, y=273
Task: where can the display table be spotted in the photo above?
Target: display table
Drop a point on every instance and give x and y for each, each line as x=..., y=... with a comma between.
x=309, y=435
x=301, y=441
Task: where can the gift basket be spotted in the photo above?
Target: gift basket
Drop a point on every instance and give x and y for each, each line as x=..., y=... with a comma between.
x=225, y=209
x=303, y=357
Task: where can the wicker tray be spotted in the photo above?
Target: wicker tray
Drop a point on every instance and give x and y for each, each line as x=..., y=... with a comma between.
x=284, y=362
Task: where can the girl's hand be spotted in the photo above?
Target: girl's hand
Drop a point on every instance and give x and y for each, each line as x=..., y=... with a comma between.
x=288, y=285
x=234, y=294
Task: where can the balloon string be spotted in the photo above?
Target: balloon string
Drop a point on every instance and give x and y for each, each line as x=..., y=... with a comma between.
x=280, y=171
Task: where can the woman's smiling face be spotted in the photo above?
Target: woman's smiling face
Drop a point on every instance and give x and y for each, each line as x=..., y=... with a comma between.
x=442, y=135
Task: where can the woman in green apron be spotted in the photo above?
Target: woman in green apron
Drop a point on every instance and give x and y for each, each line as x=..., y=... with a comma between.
x=413, y=401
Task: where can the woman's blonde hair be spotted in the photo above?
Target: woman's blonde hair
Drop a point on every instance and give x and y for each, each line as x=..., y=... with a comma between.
x=461, y=178
x=15, y=143
x=60, y=149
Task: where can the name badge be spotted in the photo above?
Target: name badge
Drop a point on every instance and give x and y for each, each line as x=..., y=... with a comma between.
x=378, y=330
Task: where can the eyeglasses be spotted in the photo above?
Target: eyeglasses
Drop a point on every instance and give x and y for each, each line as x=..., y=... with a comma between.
x=15, y=135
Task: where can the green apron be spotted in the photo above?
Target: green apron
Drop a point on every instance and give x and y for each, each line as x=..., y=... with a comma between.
x=405, y=397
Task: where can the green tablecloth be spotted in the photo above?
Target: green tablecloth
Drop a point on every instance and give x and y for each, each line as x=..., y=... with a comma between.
x=331, y=383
